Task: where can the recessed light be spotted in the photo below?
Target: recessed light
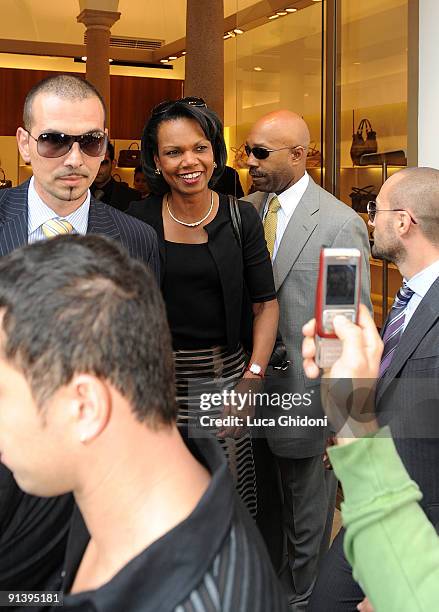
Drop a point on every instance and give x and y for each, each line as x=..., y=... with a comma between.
x=172, y=57
x=164, y=61
x=274, y=17
x=281, y=13
x=110, y=60
x=238, y=31
x=183, y=52
x=257, y=68
x=84, y=58
x=227, y=35
x=291, y=10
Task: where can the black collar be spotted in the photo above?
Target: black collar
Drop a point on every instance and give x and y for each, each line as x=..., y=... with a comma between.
x=166, y=572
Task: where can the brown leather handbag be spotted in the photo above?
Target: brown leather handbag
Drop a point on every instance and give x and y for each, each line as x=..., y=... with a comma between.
x=129, y=158
x=4, y=182
x=364, y=140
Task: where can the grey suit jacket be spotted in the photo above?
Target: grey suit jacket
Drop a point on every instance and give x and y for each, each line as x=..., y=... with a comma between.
x=407, y=398
x=319, y=220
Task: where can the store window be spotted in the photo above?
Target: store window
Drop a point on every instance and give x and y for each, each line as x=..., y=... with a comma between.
x=277, y=64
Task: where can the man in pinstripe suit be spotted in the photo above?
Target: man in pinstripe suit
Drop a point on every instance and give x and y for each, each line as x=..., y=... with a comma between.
x=64, y=167
x=64, y=139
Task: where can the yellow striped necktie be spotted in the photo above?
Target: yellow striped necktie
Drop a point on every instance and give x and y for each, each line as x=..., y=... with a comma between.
x=55, y=227
x=270, y=224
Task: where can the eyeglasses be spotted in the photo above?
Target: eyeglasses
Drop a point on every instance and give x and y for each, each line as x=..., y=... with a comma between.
x=262, y=152
x=372, y=211
x=189, y=100
x=57, y=144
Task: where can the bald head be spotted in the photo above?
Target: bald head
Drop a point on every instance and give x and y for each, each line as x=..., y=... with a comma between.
x=287, y=127
x=417, y=191
x=286, y=135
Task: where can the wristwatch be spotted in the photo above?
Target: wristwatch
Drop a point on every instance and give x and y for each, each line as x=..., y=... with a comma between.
x=256, y=369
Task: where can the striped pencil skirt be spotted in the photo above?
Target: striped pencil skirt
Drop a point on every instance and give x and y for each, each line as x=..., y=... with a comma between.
x=196, y=371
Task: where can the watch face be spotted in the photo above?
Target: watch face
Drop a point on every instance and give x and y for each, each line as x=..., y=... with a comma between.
x=255, y=368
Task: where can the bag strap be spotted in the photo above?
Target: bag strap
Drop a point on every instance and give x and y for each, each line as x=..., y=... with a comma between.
x=134, y=144
x=4, y=175
x=235, y=216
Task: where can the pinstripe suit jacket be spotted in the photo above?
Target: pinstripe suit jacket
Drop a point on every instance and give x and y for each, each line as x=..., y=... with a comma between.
x=139, y=239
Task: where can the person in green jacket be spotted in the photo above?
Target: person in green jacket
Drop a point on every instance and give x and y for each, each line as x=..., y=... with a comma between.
x=391, y=545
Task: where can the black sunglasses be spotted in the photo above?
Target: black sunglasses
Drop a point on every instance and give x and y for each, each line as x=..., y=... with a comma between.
x=262, y=152
x=372, y=211
x=189, y=100
x=57, y=144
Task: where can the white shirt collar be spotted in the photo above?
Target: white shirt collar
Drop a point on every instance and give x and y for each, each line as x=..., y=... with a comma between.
x=290, y=198
x=421, y=282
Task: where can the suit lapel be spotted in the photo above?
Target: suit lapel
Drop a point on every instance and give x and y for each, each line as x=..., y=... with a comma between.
x=100, y=221
x=422, y=320
x=299, y=229
x=13, y=219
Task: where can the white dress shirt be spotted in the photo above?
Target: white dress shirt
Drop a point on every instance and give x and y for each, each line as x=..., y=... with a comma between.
x=420, y=283
x=39, y=213
x=288, y=200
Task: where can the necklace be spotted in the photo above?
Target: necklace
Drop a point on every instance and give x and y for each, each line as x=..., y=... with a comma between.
x=196, y=223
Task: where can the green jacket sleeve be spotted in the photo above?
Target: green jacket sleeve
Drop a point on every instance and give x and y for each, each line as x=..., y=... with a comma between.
x=391, y=545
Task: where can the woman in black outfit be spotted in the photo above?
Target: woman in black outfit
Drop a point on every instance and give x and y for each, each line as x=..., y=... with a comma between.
x=204, y=271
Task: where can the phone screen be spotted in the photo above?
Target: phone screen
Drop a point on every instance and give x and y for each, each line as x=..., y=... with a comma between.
x=340, y=284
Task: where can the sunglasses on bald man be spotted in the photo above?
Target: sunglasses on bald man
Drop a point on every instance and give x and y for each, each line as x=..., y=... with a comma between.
x=263, y=153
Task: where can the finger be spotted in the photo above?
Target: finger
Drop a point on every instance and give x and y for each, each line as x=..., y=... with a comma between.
x=309, y=329
x=352, y=340
x=308, y=348
x=371, y=336
x=310, y=368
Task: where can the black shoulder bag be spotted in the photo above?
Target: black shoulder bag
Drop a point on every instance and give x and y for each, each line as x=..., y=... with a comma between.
x=279, y=358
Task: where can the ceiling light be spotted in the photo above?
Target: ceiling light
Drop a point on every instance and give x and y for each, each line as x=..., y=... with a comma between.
x=238, y=31
x=227, y=35
x=164, y=61
x=183, y=52
x=291, y=10
x=257, y=68
x=281, y=13
x=172, y=57
x=110, y=60
x=274, y=17
x=84, y=58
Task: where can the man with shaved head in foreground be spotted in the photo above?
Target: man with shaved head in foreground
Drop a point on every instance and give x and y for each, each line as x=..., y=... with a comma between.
x=299, y=218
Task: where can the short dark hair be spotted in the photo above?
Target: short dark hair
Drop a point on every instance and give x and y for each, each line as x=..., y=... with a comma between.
x=66, y=86
x=110, y=150
x=103, y=315
x=209, y=122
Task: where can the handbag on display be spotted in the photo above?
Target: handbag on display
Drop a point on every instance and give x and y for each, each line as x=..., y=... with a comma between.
x=364, y=140
x=279, y=357
x=4, y=182
x=129, y=158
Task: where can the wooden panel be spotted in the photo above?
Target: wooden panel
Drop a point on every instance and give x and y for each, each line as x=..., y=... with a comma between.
x=132, y=99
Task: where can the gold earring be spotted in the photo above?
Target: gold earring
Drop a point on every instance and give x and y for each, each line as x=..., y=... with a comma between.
x=215, y=165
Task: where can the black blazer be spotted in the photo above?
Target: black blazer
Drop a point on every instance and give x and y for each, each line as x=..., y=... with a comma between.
x=33, y=530
x=139, y=239
x=234, y=265
x=407, y=398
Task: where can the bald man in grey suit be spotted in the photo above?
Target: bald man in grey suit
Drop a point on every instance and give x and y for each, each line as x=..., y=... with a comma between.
x=308, y=218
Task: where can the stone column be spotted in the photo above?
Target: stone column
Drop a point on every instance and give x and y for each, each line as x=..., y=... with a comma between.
x=205, y=52
x=98, y=24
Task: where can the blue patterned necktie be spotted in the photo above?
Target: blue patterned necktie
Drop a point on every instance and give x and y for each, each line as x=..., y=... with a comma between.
x=394, y=326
